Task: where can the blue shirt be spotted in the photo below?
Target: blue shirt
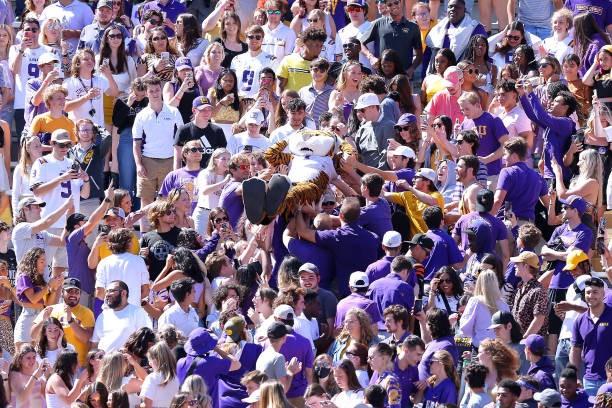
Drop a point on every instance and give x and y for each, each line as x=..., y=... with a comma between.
x=444, y=252
x=594, y=338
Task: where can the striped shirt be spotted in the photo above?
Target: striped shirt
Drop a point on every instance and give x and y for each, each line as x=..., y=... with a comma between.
x=316, y=101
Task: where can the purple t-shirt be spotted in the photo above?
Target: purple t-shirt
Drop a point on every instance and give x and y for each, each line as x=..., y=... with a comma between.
x=601, y=10
x=442, y=343
x=379, y=269
x=31, y=111
x=78, y=251
x=231, y=392
x=579, y=237
x=523, y=187
x=297, y=346
x=444, y=252
x=232, y=202
x=490, y=129
x=443, y=393
x=209, y=368
x=498, y=228
x=607, y=387
x=182, y=178
x=391, y=290
x=279, y=250
x=308, y=252
x=594, y=339
x=376, y=217
x=406, y=378
x=23, y=283
x=172, y=9
x=353, y=248
x=359, y=301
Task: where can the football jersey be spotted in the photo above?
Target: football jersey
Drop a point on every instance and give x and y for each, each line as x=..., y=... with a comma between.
x=47, y=168
x=278, y=42
x=247, y=70
x=29, y=69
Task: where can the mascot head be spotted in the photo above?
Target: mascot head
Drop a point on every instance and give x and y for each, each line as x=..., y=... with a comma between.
x=313, y=143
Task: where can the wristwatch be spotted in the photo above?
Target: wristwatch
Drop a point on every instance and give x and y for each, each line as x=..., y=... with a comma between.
x=107, y=200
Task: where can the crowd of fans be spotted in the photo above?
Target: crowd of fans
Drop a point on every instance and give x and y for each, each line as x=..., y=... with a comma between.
x=172, y=234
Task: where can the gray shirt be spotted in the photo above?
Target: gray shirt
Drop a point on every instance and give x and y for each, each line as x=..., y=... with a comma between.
x=371, y=140
x=475, y=400
x=271, y=363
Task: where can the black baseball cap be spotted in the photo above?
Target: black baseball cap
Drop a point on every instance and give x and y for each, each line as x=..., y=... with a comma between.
x=484, y=200
x=421, y=239
x=500, y=318
x=73, y=220
x=277, y=330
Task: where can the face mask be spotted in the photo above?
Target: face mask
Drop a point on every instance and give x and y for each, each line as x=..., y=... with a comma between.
x=322, y=372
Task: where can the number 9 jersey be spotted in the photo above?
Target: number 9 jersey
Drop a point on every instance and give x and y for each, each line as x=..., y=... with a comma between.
x=247, y=69
x=29, y=69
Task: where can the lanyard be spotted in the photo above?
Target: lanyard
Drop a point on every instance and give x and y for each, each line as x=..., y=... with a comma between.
x=92, y=111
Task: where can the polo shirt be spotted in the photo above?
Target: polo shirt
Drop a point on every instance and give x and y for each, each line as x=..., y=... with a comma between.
x=594, y=339
x=359, y=301
x=379, y=269
x=444, y=252
x=391, y=290
x=172, y=9
x=353, y=248
x=414, y=208
x=376, y=217
x=402, y=36
x=543, y=371
x=443, y=103
x=296, y=69
x=316, y=101
x=157, y=130
x=186, y=322
x=523, y=187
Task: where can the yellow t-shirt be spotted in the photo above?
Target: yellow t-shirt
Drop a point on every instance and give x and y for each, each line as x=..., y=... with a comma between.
x=414, y=209
x=45, y=123
x=82, y=316
x=103, y=250
x=296, y=70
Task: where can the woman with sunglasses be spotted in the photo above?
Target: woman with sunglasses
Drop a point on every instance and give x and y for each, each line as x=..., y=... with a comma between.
x=322, y=374
x=219, y=228
x=209, y=183
x=187, y=400
x=93, y=362
x=443, y=385
x=51, y=35
x=159, y=56
x=502, y=45
x=446, y=284
x=357, y=353
x=470, y=76
x=477, y=51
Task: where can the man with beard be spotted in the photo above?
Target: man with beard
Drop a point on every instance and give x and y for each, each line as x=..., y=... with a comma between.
x=117, y=323
x=77, y=320
x=91, y=35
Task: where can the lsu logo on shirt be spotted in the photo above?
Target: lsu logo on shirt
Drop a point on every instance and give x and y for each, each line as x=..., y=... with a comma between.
x=481, y=130
x=591, y=9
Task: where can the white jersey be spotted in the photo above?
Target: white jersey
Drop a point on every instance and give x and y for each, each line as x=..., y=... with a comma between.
x=349, y=31
x=239, y=141
x=278, y=42
x=247, y=70
x=29, y=69
x=306, y=168
x=78, y=87
x=47, y=168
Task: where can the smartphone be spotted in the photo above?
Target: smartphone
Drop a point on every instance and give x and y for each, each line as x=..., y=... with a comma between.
x=105, y=229
x=508, y=210
x=248, y=148
x=602, y=227
x=418, y=305
x=225, y=226
x=76, y=166
x=601, y=245
x=595, y=93
x=165, y=56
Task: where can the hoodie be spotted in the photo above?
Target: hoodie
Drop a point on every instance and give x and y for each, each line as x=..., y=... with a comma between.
x=448, y=187
x=581, y=400
x=484, y=244
x=543, y=371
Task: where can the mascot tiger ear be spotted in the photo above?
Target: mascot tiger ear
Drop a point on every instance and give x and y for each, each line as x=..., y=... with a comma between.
x=313, y=160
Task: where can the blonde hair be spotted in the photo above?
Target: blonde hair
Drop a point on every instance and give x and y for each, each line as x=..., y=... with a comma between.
x=42, y=37
x=52, y=90
x=112, y=370
x=206, y=55
x=9, y=31
x=487, y=290
x=342, y=78
x=593, y=170
x=212, y=167
x=166, y=363
x=469, y=97
x=446, y=359
x=194, y=385
x=567, y=14
x=272, y=395
x=366, y=334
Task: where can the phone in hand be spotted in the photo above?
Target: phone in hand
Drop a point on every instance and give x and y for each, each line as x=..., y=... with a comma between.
x=418, y=306
x=508, y=210
x=105, y=229
x=601, y=246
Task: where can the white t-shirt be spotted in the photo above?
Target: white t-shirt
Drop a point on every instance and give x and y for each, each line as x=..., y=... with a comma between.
x=74, y=16
x=348, y=399
x=126, y=267
x=302, y=327
x=278, y=42
x=558, y=48
x=349, y=31
x=113, y=328
x=570, y=316
x=237, y=142
x=23, y=240
x=51, y=355
x=47, y=168
x=78, y=87
x=160, y=395
x=516, y=121
x=247, y=70
x=185, y=322
x=205, y=179
x=29, y=69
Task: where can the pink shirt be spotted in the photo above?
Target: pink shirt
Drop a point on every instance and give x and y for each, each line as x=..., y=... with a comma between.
x=443, y=103
x=516, y=121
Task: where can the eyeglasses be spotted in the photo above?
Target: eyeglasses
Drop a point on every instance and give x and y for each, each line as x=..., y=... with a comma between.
x=170, y=212
x=400, y=128
x=113, y=290
x=63, y=145
x=244, y=166
x=349, y=45
x=115, y=36
x=254, y=37
x=155, y=22
x=312, y=20
x=277, y=12
x=472, y=71
x=222, y=219
x=459, y=141
x=196, y=149
x=543, y=65
x=395, y=3
x=354, y=9
x=116, y=3
x=438, y=125
x=159, y=38
x=514, y=37
x=193, y=403
x=435, y=360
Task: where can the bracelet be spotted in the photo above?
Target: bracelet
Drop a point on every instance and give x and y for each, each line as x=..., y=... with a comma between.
x=177, y=98
x=86, y=181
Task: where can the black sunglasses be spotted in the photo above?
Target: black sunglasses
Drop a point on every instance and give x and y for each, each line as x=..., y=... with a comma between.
x=312, y=20
x=221, y=219
x=63, y=145
x=349, y=45
x=329, y=203
x=400, y=128
x=196, y=149
x=170, y=212
x=543, y=65
x=155, y=22
x=459, y=141
x=395, y=3
x=472, y=71
x=438, y=125
x=513, y=37
x=254, y=36
x=446, y=280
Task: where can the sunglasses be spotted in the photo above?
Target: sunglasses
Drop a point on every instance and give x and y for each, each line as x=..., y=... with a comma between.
x=244, y=166
x=312, y=20
x=438, y=125
x=155, y=22
x=317, y=69
x=196, y=149
x=115, y=36
x=277, y=12
x=472, y=71
x=354, y=9
x=31, y=30
x=395, y=3
x=446, y=280
x=116, y=3
x=543, y=65
x=222, y=219
x=400, y=128
x=254, y=37
x=514, y=37
x=63, y=145
x=170, y=212
x=328, y=203
x=349, y=45
x=99, y=356
x=159, y=38
x=459, y=141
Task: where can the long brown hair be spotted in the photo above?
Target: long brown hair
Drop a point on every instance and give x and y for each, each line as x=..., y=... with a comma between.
x=42, y=342
x=366, y=334
x=447, y=361
x=27, y=266
x=149, y=49
x=505, y=359
x=18, y=357
x=105, y=52
x=76, y=62
x=191, y=32
x=585, y=27
x=347, y=366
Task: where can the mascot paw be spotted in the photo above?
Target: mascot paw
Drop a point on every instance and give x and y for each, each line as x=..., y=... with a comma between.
x=254, y=199
x=277, y=191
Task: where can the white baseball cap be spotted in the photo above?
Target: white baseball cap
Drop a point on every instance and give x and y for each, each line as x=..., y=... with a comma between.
x=404, y=151
x=284, y=312
x=47, y=57
x=255, y=116
x=359, y=280
x=429, y=174
x=367, y=99
x=392, y=239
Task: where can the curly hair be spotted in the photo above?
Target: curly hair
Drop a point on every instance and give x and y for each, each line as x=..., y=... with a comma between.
x=289, y=296
x=367, y=334
x=454, y=276
x=188, y=238
x=505, y=359
x=187, y=262
x=76, y=62
x=157, y=210
x=119, y=240
x=27, y=266
x=138, y=342
x=42, y=342
x=52, y=90
x=222, y=293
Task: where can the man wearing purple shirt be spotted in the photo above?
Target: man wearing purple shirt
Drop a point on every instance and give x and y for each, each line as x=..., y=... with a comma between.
x=391, y=243
x=491, y=130
x=601, y=10
x=231, y=195
x=376, y=214
x=35, y=87
x=353, y=247
x=518, y=184
x=171, y=9
x=436, y=325
x=591, y=336
x=358, y=283
x=393, y=288
x=445, y=250
x=185, y=177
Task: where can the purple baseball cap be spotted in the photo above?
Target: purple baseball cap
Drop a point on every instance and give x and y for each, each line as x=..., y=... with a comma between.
x=576, y=202
x=535, y=343
x=405, y=119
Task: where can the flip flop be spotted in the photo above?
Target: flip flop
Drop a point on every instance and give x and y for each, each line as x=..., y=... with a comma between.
x=278, y=187
x=254, y=199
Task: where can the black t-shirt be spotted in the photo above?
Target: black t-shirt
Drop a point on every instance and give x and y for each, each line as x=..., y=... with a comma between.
x=124, y=115
x=11, y=260
x=160, y=245
x=211, y=137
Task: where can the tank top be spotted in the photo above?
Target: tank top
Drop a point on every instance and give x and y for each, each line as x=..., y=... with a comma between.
x=186, y=101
